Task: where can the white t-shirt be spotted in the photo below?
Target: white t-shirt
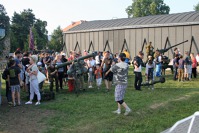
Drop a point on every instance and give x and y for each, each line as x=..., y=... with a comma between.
x=91, y=63
x=97, y=59
x=34, y=68
x=159, y=58
x=197, y=58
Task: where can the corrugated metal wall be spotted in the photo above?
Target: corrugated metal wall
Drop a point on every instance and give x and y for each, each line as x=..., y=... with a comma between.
x=135, y=39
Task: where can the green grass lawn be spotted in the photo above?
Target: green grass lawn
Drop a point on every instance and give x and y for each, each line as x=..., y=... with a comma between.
x=152, y=111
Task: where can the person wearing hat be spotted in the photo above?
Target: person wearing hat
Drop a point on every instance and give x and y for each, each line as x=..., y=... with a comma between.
x=138, y=63
x=34, y=85
x=121, y=71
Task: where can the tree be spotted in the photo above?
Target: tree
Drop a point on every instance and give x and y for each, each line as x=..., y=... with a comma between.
x=4, y=19
x=140, y=8
x=40, y=34
x=21, y=24
x=196, y=7
x=56, y=42
x=4, y=25
x=20, y=29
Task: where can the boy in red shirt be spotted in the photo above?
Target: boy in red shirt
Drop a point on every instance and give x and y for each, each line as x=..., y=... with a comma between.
x=98, y=74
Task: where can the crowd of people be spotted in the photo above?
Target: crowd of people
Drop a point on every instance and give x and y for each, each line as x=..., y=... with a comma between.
x=22, y=68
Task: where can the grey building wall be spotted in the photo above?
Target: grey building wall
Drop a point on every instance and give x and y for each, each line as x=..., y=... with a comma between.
x=135, y=38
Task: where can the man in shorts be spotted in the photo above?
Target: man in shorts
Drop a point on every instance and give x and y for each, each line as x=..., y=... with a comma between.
x=121, y=71
x=14, y=81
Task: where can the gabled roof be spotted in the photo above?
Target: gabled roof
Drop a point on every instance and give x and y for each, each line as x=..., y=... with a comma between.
x=186, y=18
x=72, y=25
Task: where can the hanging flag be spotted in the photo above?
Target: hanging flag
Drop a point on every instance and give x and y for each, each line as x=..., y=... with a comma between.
x=31, y=41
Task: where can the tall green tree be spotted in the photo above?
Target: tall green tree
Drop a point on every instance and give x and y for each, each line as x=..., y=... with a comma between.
x=56, y=42
x=196, y=7
x=21, y=24
x=20, y=28
x=140, y=8
x=40, y=34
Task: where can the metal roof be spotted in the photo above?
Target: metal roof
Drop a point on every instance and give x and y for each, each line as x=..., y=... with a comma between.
x=187, y=18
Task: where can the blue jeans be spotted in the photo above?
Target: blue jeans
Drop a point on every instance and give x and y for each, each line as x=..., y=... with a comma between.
x=175, y=73
x=158, y=70
x=126, y=60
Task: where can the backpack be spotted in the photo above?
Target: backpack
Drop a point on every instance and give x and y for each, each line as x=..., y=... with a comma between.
x=5, y=74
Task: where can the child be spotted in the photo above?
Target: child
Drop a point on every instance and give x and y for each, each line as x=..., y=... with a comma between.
x=121, y=70
x=14, y=81
x=91, y=66
x=181, y=69
x=150, y=70
x=98, y=74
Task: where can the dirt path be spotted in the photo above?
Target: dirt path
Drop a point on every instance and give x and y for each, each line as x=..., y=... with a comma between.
x=22, y=119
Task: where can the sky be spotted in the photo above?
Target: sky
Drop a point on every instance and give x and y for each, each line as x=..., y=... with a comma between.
x=64, y=12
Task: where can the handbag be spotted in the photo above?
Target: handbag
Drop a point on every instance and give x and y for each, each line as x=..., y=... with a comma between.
x=41, y=77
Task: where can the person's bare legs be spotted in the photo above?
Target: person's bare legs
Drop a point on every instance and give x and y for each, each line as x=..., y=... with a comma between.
x=13, y=98
x=18, y=98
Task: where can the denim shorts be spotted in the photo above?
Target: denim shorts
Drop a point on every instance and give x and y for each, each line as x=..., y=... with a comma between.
x=15, y=88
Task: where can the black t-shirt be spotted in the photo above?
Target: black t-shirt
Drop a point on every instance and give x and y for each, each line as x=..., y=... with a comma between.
x=108, y=63
x=25, y=61
x=13, y=74
x=48, y=59
x=64, y=59
x=138, y=61
x=42, y=62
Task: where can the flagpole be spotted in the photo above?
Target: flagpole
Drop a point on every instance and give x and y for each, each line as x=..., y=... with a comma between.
x=31, y=41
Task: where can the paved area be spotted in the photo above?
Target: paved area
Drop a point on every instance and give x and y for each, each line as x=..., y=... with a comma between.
x=182, y=127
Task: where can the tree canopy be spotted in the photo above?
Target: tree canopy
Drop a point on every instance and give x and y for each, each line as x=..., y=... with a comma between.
x=20, y=29
x=56, y=42
x=4, y=19
x=140, y=8
x=196, y=7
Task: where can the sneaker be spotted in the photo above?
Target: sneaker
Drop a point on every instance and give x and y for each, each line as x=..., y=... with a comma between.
x=19, y=104
x=117, y=112
x=10, y=103
x=14, y=104
x=37, y=103
x=29, y=102
x=127, y=112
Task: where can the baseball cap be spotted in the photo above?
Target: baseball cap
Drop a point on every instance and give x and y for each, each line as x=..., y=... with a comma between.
x=122, y=55
x=39, y=63
x=63, y=54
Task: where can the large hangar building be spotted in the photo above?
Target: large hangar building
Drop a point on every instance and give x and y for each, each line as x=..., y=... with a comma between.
x=133, y=33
